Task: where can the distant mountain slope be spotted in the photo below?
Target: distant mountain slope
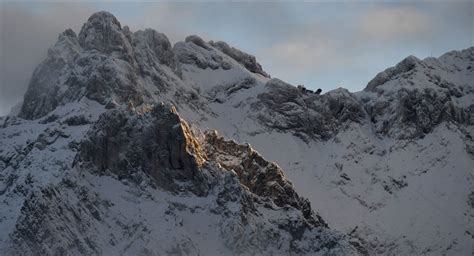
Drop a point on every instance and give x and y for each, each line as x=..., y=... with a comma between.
x=95, y=153
x=392, y=163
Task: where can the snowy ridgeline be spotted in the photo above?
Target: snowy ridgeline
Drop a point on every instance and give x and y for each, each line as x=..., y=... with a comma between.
x=95, y=163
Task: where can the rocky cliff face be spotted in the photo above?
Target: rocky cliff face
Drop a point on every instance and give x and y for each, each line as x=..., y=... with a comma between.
x=261, y=177
x=97, y=64
x=400, y=107
x=157, y=143
x=307, y=115
x=154, y=165
x=111, y=154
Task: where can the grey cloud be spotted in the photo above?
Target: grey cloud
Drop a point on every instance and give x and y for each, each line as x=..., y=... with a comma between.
x=388, y=23
x=25, y=36
x=356, y=43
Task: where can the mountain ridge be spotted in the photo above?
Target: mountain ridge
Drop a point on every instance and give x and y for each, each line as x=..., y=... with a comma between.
x=382, y=150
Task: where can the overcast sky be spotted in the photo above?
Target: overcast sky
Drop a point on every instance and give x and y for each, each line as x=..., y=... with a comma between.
x=319, y=44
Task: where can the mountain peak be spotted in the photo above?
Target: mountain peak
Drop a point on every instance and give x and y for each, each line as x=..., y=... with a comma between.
x=103, y=32
x=103, y=17
x=388, y=74
x=197, y=40
x=68, y=33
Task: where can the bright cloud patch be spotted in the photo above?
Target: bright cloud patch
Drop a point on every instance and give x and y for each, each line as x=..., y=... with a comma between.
x=393, y=23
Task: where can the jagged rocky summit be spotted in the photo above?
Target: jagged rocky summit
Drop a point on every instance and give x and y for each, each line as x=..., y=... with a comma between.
x=102, y=166
x=115, y=151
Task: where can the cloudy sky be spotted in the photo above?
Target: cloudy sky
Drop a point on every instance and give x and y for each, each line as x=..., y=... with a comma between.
x=318, y=44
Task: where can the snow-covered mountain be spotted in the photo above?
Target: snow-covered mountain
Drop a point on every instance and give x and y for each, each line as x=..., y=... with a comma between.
x=128, y=145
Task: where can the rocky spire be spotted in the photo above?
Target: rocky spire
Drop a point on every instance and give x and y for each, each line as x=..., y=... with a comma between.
x=103, y=32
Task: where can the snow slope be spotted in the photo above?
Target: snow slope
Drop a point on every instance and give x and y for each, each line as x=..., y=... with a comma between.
x=396, y=172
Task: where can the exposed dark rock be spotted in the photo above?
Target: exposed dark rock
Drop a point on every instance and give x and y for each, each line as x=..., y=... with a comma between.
x=103, y=32
x=245, y=59
x=35, y=234
x=197, y=52
x=158, y=143
x=470, y=200
x=76, y=120
x=197, y=41
x=309, y=116
x=49, y=119
x=222, y=92
x=151, y=48
x=260, y=176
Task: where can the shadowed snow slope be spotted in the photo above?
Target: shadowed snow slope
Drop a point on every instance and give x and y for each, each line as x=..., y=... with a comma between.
x=112, y=153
